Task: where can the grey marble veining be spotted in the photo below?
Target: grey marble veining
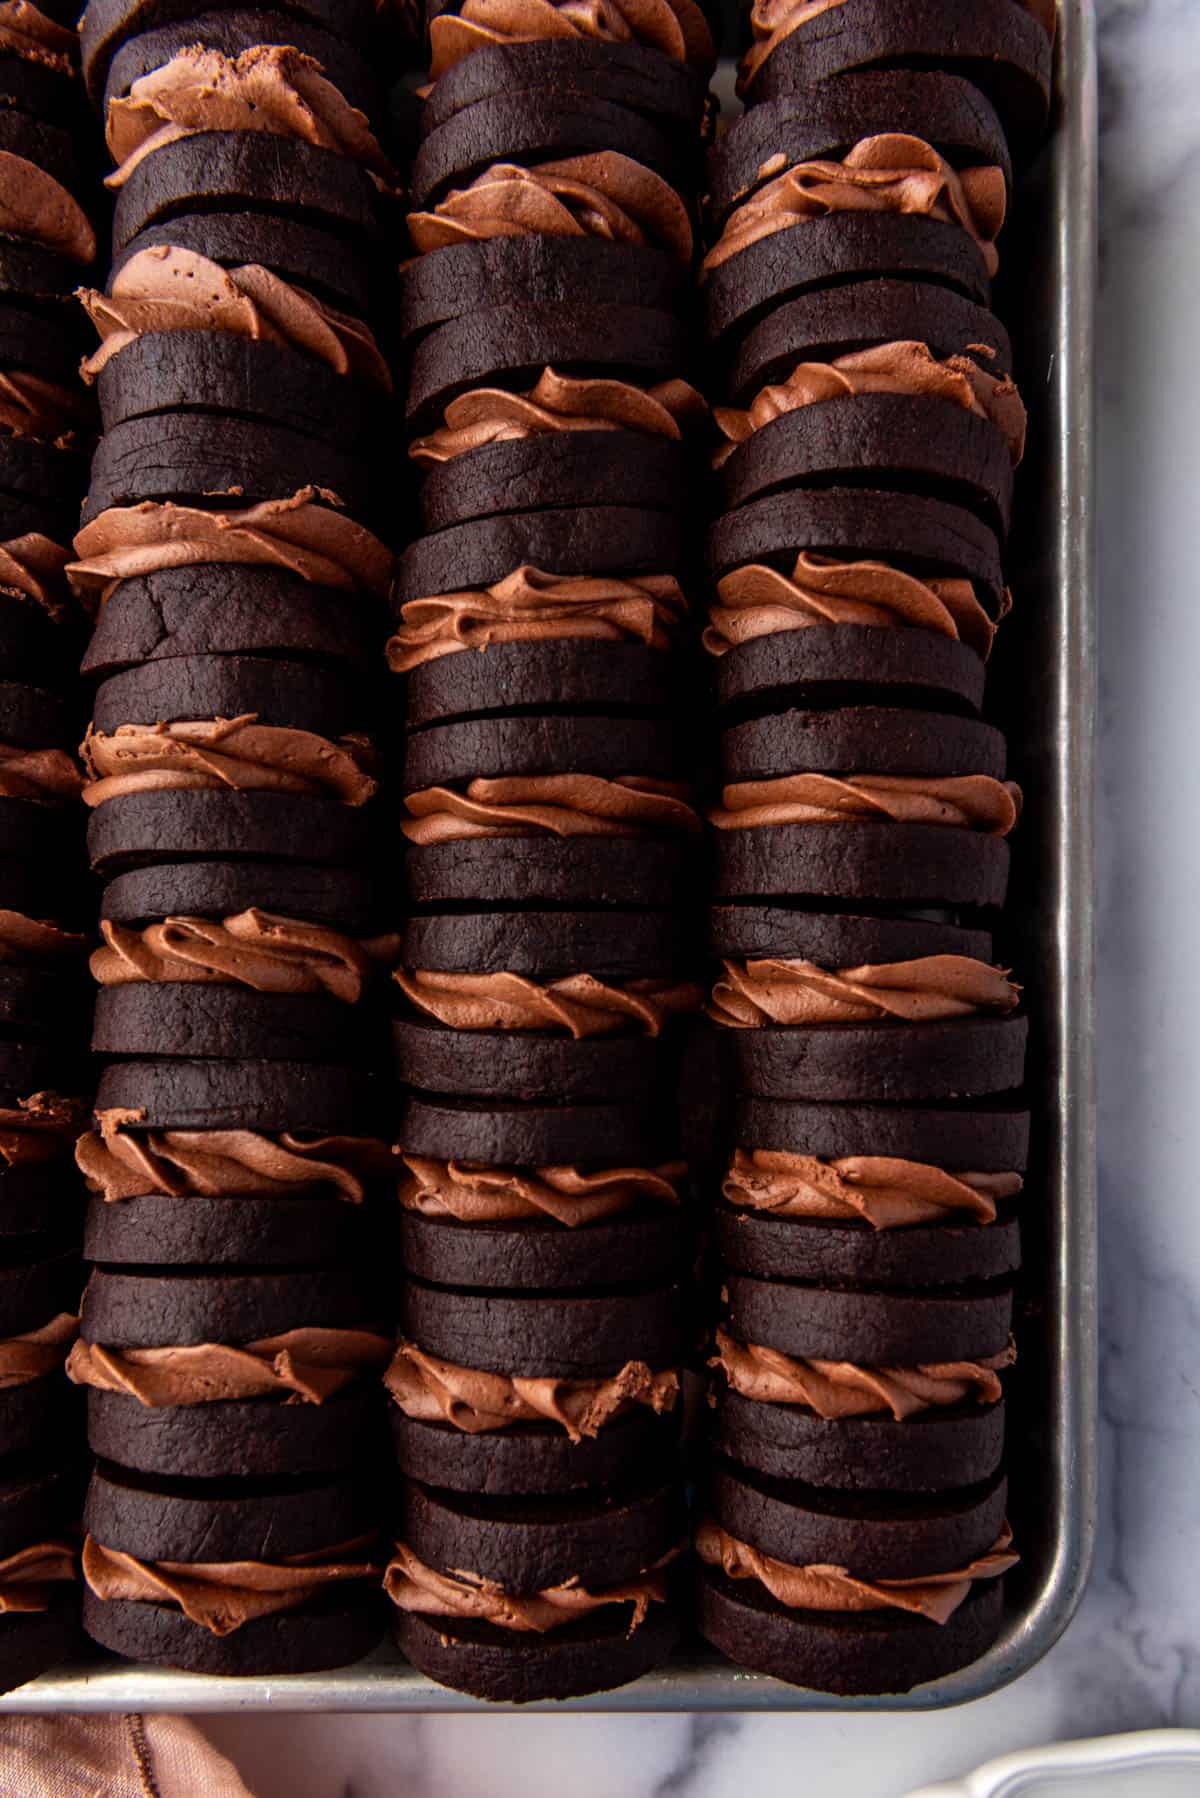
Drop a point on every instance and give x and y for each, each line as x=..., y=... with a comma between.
x=1132, y=1657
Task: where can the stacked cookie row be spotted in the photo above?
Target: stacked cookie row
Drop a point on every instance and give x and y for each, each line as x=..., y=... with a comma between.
x=236, y=1318
x=853, y=1528
x=46, y=242
x=544, y=983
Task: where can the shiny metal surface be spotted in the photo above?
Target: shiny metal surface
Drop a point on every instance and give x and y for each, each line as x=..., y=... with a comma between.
x=1047, y=666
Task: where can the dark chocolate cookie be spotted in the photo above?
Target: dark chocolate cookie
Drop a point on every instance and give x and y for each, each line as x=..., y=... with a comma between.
x=871, y=1328
x=202, y=1021
x=337, y=1627
x=824, y=663
x=521, y=1065
x=507, y=1135
x=536, y=1457
x=935, y=1254
x=340, y=898
x=632, y=76
x=142, y=828
x=570, y=672
x=546, y=946
x=444, y=754
x=161, y=1230
x=566, y=1336
x=224, y=1095
x=299, y=251
x=585, y=540
x=556, y=468
x=949, y=1058
x=295, y=695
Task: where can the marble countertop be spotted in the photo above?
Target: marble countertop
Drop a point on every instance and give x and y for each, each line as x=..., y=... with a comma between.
x=1131, y=1659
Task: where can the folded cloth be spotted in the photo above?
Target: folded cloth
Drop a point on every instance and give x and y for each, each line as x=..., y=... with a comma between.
x=123, y=1757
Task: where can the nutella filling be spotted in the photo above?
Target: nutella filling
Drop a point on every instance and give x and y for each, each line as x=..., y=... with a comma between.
x=473, y=1194
x=757, y=601
x=892, y=172
x=38, y=209
x=121, y=1161
x=235, y=754
x=413, y=1586
x=31, y=568
x=304, y=1366
x=768, y=991
x=528, y=606
x=822, y=1587
x=882, y=1190
x=962, y=801
x=36, y=1353
x=604, y=194
x=47, y=776
x=27, y=32
x=270, y=88
x=837, y=1389
x=578, y=1005
x=258, y=949
x=25, y=939
x=560, y=805
x=27, y=1576
x=307, y=535
x=907, y=368
x=42, y=1127
x=165, y=288
x=558, y=403
x=221, y=1596
x=677, y=28
x=31, y=406
x=431, y=1390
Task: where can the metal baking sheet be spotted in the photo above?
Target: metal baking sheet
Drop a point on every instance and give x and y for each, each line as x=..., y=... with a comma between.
x=1046, y=669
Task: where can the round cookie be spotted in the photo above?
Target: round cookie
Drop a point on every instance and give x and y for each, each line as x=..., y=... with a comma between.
x=217, y=1022
x=339, y=898
x=992, y=1139
x=307, y=255
x=566, y=1336
x=140, y=829
x=531, y=1135
x=304, y=696
x=227, y=1095
x=556, y=468
x=331, y=1631
x=871, y=1328
x=535, y=1457
x=649, y=1237
x=617, y=540
x=570, y=672
x=630, y=75
x=162, y=1230
x=918, y=1255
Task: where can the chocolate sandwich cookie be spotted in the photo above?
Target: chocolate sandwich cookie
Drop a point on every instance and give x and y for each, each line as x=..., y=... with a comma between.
x=831, y=322
x=601, y=816
x=218, y=1022
x=633, y=76
x=162, y=1230
x=835, y=1007
x=503, y=1134
x=229, y=171
x=555, y=1005
x=824, y=123
x=1001, y=48
x=190, y=1373
x=340, y=899
x=853, y=817
x=510, y=346
x=864, y=1596
x=140, y=828
x=274, y=1097
x=202, y=372
x=299, y=696
x=546, y=272
x=39, y=1300
x=620, y=676
x=210, y=459
x=535, y=125
x=235, y=29
x=229, y=609
x=558, y=1336
x=39, y=1513
x=611, y=1552
x=108, y=24
x=310, y=1544
x=555, y=468
x=304, y=254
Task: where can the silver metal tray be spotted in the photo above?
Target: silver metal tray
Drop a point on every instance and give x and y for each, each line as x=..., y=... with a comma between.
x=1046, y=667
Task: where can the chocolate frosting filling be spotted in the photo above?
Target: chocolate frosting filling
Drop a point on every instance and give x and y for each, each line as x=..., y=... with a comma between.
x=38, y=209
x=560, y=805
x=677, y=28
x=165, y=288
x=47, y=776
x=25, y=1577
x=604, y=194
x=892, y=172
x=529, y=606
x=37, y=1352
x=27, y=32
x=413, y=1586
x=558, y=403
x=42, y=1127
x=769, y=991
x=31, y=406
x=905, y=368
x=25, y=939
x=255, y=948
x=271, y=88
x=883, y=1190
x=237, y=754
x=120, y=1162
x=304, y=1366
x=31, y=567
x=221, y=1596
x=965, y=801
x=757, y=601
x=835, y=1389
x=821, y=1587
x=307, y=534
x=435, y=1391
x=578, y=1005
x=500, y=1195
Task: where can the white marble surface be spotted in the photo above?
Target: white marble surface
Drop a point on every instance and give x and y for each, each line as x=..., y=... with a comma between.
x=1132, y=1657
